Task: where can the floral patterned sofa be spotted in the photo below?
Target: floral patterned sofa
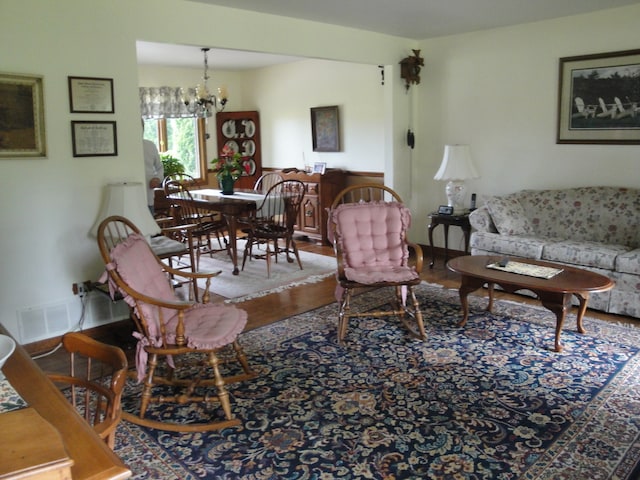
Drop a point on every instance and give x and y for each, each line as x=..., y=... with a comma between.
x=595, y=228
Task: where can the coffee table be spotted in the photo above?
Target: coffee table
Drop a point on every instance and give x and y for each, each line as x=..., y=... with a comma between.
x=554, y=293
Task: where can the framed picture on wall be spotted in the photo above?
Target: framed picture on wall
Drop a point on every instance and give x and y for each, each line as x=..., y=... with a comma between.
x=94, y=139
x=599, y=98
x=22, y=132
x=90, y=95
x=325, y=129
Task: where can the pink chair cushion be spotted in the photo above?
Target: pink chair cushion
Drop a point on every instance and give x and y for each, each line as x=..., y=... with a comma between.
x=206, y=325
x=372, y=237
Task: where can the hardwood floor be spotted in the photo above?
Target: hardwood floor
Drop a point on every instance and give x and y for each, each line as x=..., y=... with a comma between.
x=277, y=306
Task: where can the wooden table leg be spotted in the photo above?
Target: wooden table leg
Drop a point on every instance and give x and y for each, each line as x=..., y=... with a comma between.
x=583, y=298
x=233, y=226
x=467, y=285
x=432, y=225
x=558, y=303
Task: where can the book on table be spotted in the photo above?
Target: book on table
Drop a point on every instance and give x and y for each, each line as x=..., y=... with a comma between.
x=526, y=269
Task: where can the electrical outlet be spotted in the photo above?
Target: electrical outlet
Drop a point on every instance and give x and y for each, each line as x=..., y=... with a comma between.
x=81, y=288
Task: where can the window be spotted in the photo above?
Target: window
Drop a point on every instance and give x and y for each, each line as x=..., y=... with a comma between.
x=182, y=138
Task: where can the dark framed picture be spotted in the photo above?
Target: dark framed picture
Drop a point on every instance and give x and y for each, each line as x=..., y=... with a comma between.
x=325, y=129
x=599, y=98
x=22, y=132
x=94, y=139
x=90, y=95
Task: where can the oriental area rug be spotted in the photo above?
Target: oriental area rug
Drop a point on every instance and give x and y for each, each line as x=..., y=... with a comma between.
x=252, y=282
x=490, y=400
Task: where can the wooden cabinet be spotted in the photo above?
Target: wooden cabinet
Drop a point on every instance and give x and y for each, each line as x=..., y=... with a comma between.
x=321, y=190
x=241, y=132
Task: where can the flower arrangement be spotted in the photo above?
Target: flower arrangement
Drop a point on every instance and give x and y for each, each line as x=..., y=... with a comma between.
x=228, y=165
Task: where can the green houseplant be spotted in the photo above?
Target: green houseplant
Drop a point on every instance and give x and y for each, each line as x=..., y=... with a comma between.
x=171, y=164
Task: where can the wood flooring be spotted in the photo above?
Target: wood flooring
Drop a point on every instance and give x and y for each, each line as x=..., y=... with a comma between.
x=277, y=306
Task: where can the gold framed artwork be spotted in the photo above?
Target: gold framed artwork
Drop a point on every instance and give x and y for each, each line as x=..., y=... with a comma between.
x=91, y=95
x=22, y=128
x=599, y=98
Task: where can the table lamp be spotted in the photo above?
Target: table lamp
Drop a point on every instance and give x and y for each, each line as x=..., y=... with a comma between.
x=456, y=167
x=129, y=200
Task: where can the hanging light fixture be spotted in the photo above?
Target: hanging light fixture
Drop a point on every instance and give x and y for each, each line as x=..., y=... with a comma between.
x=199, y=100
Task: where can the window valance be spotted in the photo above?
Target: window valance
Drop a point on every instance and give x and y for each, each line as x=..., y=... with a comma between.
x=164, y=102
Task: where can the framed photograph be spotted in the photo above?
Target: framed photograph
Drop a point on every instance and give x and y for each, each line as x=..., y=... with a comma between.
x=599, y=98
x=319, y=167
x=94, y=139
x=90, y=95
x=325, y=129
x=22, y=132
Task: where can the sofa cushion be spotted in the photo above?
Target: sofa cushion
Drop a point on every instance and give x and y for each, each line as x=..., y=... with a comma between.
x=508, y=216
x=527, y=247
x=629, y=262
x=588, y=254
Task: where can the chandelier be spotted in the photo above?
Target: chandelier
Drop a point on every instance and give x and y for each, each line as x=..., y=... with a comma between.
x=199, y=101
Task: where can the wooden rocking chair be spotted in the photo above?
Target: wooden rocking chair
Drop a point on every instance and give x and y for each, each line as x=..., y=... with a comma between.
x=185, y=334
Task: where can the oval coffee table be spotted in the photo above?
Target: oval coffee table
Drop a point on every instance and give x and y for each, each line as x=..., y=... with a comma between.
x=554, y=293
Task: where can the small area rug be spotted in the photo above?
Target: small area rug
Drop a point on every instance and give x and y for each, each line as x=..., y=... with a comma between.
x=252, y=282
x=486, y=401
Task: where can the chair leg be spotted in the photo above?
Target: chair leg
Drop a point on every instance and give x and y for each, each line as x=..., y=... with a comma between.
x=343, y=314
x=223, y=395
x=148, y=384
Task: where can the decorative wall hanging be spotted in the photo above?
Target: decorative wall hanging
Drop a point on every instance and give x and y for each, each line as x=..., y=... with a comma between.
x=91, y=95
x=410, y=68
x=22, y=132
x=599, y=98
x=325, y=129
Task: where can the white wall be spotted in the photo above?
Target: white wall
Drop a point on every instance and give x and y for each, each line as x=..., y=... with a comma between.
x=49, y=204
x=284, y=94
x=497, y=91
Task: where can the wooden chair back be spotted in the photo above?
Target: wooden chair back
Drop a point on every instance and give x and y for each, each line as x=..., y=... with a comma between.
x=96, y=378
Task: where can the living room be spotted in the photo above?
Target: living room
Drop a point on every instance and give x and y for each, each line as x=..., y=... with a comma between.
x=495, y=90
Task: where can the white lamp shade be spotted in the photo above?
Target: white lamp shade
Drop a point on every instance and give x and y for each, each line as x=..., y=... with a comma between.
x=129, y=200
x=456, y=164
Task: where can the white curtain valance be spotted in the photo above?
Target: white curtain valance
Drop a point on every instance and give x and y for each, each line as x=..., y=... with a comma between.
x=165, y=102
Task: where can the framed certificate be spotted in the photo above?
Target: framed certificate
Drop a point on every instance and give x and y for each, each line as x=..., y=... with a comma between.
x=94, y=139
x=90, y=95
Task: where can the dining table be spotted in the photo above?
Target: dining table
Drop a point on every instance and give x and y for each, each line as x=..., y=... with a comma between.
x=241, y=202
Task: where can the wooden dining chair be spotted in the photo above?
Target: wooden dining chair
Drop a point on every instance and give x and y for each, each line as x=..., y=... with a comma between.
x=266, y=181
x=273, y=221
x=201, y=226
x=368, y=226
x=95, y=380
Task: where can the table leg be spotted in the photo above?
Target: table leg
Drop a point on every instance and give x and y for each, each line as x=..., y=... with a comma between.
x=583, y=298
x=446, y=242
x=558, y=303
x=233, y=230
x=433, y=251
x=467, y=285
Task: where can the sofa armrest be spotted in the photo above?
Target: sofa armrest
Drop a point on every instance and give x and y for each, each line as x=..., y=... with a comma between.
x=480, y=219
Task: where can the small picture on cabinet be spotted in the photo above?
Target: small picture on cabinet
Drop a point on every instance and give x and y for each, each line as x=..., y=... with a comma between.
x=319, y=167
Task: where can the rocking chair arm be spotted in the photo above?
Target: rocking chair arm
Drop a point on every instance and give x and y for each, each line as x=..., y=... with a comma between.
x=417, y=257
x=188, y=274
x=158, y=302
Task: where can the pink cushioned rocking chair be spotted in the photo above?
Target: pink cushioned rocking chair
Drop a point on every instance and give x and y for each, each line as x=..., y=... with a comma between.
x=368, y=226
x=183, y=333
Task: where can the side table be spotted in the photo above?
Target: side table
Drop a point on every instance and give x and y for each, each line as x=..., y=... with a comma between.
x=461, y=221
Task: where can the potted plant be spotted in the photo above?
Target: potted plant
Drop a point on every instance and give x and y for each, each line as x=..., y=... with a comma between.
x=228, y=168
x=171, y=164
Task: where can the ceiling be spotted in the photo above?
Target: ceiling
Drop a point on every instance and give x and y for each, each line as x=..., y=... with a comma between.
x=415, y=19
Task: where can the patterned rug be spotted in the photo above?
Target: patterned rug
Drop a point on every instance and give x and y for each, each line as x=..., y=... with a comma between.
x=487, y=401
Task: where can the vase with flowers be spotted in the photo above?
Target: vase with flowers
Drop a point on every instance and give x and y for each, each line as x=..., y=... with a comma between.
x=228, y=168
